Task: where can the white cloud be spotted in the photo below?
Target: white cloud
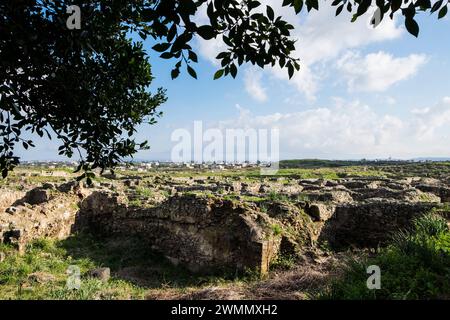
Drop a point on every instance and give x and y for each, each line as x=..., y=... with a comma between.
x=321, y=39
x=391, y=101
x=355, y=130
x=377, y=71
x=209, y=49
x=323, y=36
x=432, y=124
x=252, y=81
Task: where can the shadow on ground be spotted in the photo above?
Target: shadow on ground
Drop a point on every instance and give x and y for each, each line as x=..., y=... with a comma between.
x=130, y=259
x=138, y=272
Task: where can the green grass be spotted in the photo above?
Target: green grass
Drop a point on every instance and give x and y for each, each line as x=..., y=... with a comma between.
x=54, y=258
x=135, y=203
x=275, y=196
x=426, y=197
x=144, y=192
x=276, y=229
x=151, y=270
x=302, y=197
x=252, y=198
x=415, y=266
x=284, y=262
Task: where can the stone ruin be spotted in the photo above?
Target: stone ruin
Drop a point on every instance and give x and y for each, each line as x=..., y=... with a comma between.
x=201, y=233
x=222, y=226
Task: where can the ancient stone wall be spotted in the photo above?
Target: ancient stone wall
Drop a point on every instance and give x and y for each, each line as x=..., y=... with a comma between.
x=39, y=213
x=222, y=229
x=204, y=234
x=371, y=223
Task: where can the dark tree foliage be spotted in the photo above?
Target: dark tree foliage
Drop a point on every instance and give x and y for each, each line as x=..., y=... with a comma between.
x=87, y=87
x=90, y=87
x=388, y=8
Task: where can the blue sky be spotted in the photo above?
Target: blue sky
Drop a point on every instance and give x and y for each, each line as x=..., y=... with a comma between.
x=361, y=93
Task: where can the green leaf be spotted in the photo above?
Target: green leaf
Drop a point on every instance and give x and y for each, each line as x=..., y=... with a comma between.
x=192, y=72
x=206, y=32
x=442, y=12
x=412, y=26
x=298, y=5
x=218, y=74
x=192, y=56
x=175, y=73
x=363, y=7
x=436, y=6
x=395, y=5
x=290, y=70
x=312, y=4
x=233, y=70
x=166, y=55
x=270, y=13
x=161, y=47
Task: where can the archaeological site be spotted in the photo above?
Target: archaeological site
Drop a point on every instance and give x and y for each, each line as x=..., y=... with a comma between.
x=299, y=224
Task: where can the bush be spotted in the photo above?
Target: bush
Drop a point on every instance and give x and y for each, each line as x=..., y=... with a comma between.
x=415, y=266
x=275, y=196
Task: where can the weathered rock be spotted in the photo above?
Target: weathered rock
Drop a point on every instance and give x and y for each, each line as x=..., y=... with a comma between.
x=71, y=186
x=8, y=197
x=11, y=210
x=331, y=183
x=315, y=182
x=206, y=232
x=54, y=218
x=265, y=188
x=336, y=196
x=41, y=277
x=103, y=274
x=299, y=231
x=37, y=196
x=48, y=186
x=320, y=211
x=2, y=257
x=250, y=187
x=352, y=184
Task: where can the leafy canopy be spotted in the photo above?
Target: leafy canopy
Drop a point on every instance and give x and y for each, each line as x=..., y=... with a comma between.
x=90, y=87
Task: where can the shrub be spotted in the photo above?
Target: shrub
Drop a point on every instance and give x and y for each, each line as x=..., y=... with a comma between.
x=284, y=262
x=274, y=196
x=415, y=266
x=276, y=229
